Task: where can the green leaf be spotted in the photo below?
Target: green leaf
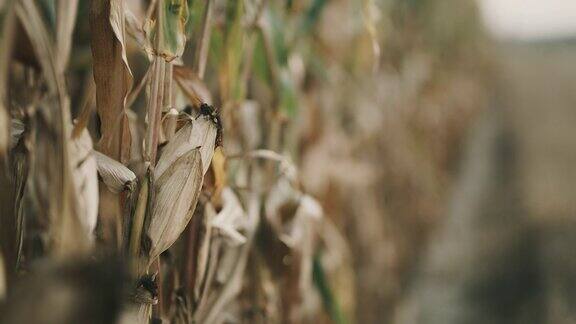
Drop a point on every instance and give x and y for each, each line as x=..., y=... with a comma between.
x=172, y=17
x=328, y=299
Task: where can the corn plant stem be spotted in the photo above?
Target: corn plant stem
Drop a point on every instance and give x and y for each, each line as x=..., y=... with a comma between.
x=150, y=10
x=274, y=126
x=272, y=64
x=158, y=109
x=204, y=42
x=139, y=215
x=248, y=61
x=6, y=42
x=8, y=223
x=157, y=266
x=154, y=110
x=87, y=106
x=66, y=19
x=28, y=11
x=131, y=98
x=167, y=104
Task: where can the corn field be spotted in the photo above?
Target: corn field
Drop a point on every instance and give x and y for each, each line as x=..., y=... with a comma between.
x=226, y=161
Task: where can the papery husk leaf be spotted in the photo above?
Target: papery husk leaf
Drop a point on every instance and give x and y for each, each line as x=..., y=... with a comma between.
x=114, y=174
x=177, y=191
x=199, y=133
x=112, y=76
x=85, y=179
x=192, y=86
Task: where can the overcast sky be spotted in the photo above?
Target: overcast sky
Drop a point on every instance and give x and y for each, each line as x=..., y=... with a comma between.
x=529, y=19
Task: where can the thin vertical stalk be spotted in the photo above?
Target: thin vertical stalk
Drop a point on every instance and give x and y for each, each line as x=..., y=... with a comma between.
x=204, y=43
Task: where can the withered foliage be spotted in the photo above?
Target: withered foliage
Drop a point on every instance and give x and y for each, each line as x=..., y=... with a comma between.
x=193, y=161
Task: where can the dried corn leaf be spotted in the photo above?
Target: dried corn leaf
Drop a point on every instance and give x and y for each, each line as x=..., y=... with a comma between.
x=16, y=131
x=112, y=76
x=85, y=179
x=171, y=30
x=31, y=18
x=7, y=24
x=55, y=199
x=177, y=192
x=20, y=168
x=199, y=133
x=115, y=175
x=225, y=277
x=301, y=229
x=52, y=184
x=192, y=86
x=66, y=18
x=134, y=29
x=229, y=221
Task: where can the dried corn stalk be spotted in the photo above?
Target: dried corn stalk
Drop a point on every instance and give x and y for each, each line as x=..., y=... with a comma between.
x=112, y=76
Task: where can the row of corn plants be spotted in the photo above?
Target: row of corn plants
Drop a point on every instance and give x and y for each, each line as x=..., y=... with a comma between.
x=148, y=172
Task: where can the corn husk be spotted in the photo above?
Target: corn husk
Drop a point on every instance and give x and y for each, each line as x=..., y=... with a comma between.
x=177, y=192
x=85, y=180
x=199, y=133
x=114, y=174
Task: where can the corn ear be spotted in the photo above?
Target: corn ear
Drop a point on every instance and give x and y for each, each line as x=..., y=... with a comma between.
x=199, y=133
x=177, y=192
x=115, y=175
